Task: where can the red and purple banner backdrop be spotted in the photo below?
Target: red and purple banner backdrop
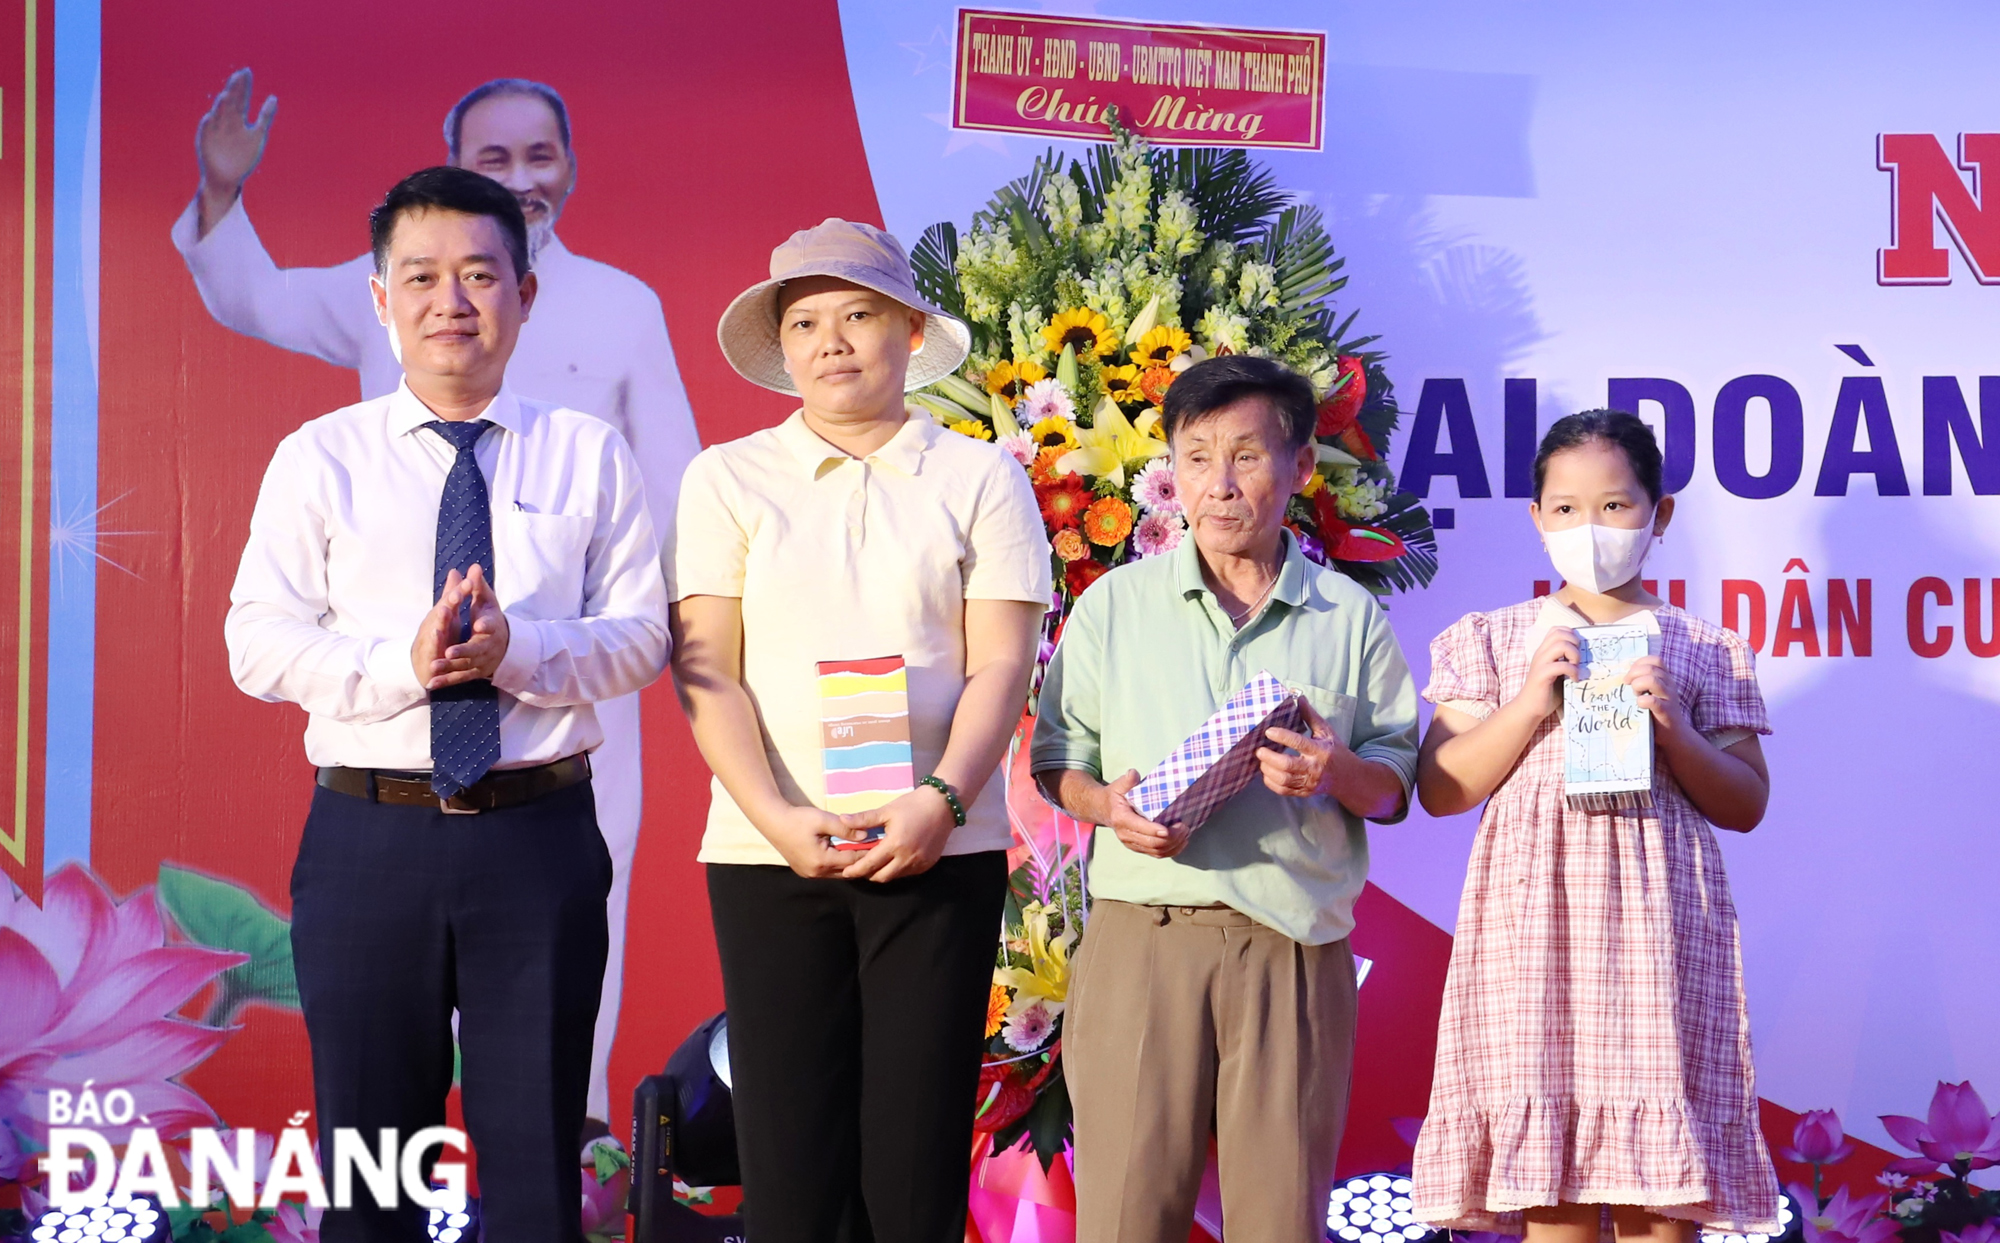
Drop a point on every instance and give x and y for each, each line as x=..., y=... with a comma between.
x=27, y=158
x=693, y=164
x=1528, y=239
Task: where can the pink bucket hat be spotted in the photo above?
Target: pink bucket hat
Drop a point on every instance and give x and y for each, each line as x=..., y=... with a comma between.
x=860, y=254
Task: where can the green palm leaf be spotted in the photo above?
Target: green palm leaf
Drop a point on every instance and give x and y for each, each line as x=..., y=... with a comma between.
x=935, y=261
x=1231, y=194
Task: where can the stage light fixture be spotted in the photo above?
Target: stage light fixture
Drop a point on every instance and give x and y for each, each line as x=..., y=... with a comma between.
x=684, y=1125
x=456, y=1222
x=118, y=1219
x=1788, y=1226
x=1375, y=1208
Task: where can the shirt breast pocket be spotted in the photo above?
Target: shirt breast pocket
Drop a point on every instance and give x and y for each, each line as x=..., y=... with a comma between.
x=1338, y=709
x=541, y=563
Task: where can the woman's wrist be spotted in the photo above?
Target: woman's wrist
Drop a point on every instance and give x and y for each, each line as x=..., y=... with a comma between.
x=953, y=803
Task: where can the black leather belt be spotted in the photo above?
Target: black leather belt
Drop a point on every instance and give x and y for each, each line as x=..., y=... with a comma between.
x=508, y=787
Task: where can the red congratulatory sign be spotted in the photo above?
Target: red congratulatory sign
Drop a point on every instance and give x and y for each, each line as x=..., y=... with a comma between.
x=1191, y=86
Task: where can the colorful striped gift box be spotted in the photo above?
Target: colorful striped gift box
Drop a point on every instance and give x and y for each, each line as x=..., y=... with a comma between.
x=865, y=732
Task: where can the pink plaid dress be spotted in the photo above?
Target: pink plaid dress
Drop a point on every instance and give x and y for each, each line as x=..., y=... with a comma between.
x=1594, y=1046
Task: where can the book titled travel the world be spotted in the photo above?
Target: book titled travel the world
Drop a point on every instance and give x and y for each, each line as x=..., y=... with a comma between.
x=1218, y=761
x=864, y=737
x=1607, y=735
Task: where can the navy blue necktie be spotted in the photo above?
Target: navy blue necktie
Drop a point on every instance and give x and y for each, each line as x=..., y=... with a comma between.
x=465, y=719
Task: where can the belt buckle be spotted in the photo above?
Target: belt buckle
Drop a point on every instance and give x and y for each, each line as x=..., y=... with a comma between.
x=444, y=805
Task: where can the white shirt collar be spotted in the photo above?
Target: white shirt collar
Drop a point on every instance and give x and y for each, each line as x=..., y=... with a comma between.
x=407, y=414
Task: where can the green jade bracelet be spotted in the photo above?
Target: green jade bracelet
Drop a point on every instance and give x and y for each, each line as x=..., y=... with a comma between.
x=936, y=782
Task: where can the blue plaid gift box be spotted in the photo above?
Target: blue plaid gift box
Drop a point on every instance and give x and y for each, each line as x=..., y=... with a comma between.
x=1218, y=760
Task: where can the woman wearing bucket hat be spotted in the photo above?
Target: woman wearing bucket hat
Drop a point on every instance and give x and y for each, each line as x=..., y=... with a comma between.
x=856, y=974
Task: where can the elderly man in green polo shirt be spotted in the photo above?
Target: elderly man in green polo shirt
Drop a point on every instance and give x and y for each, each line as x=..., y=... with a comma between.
x=1215, y=987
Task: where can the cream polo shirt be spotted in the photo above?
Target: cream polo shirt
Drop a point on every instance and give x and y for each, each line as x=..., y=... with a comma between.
x=837, y=558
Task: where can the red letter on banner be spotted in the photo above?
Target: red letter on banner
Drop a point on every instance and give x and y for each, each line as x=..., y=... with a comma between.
x=1923, y=175
x=1735, y=593
x=1924, y=644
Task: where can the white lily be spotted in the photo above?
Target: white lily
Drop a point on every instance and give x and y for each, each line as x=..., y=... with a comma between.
x=1143, y=323
x=1003, y=416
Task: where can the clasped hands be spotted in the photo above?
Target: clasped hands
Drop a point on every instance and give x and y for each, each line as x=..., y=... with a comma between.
x=438, y=657
x=1301, y=766
x=915, y=828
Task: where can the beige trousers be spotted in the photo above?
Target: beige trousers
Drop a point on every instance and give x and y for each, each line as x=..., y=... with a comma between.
x=1187, y=1019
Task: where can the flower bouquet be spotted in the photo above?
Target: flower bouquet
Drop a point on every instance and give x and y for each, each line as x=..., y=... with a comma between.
x=1021, y=1091
x=1090, y=288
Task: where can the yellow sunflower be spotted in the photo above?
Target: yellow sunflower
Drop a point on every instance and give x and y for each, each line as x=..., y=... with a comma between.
x=1122, y=385
x=973, y=428
x=1082, y=328
x=1054, y=432
x=1011, y=379
x=1161, y=346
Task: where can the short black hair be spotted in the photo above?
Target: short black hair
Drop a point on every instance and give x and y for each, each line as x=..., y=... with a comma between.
x=444, y=188
x=1623, y=431
x=454, y=121
x=1215, y=383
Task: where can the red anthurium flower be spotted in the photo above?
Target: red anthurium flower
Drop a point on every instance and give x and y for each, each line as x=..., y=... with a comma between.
x=1338, y=412
x=1356, y=442
x=1347, y=542
x=1818, y=1140
x=1003, y=1098
x=1957, y=1130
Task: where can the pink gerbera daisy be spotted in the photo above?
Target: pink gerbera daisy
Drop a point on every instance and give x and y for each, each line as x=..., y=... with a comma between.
x=1154, y=488
x=1158, y=532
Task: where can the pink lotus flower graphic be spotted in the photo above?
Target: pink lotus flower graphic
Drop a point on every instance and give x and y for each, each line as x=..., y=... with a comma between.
x=1845, y=1219
x=1818, y=1140
x=91, y=987
x=1979, y=1232
x=1958, y=1133
x=294, y=1224
x=13, y=1157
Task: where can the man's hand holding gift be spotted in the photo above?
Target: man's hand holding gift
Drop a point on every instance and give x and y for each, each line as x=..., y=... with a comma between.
x=1161, y=841
x=1320, y=763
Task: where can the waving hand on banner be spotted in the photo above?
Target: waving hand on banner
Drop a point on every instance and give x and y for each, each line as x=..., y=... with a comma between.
x=229, y=145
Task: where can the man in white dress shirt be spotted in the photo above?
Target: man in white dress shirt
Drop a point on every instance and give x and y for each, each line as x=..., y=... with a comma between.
x=448, y=579
x=598, y=344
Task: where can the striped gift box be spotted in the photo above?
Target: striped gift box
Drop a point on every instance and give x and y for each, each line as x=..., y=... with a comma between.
x=865, y=733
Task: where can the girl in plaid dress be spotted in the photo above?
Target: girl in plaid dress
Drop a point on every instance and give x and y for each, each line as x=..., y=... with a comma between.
x=1593, y=1065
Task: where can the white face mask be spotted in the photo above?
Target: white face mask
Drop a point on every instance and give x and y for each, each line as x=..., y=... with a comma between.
x=1596, y=558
